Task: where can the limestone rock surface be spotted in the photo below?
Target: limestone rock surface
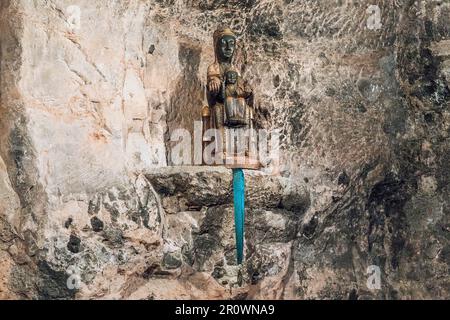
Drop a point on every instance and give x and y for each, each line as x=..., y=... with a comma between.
x=92, y=208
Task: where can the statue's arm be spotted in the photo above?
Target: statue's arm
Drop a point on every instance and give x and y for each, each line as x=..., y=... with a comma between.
x=214, y=82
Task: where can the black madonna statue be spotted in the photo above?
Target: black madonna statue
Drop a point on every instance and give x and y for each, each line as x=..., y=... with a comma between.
x=230, y=98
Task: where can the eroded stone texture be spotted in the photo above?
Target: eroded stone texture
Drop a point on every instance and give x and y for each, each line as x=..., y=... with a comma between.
x=87, y=108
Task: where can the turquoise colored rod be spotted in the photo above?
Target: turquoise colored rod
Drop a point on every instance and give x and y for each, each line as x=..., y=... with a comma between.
x=239, y=211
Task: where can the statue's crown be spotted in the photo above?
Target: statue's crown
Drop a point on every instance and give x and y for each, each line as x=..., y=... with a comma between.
x=219, y=33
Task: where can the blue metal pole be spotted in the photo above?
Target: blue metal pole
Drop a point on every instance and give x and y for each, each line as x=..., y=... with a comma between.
x=239, y=211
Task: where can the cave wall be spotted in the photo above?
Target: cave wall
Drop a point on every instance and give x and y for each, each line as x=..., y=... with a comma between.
x=88, y=195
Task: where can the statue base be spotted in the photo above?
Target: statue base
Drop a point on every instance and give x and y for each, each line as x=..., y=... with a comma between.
x=241, y=162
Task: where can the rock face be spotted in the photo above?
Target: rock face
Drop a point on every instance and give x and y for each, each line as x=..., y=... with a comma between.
x=91, y=92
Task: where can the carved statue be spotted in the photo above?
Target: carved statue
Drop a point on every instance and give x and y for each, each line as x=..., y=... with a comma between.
x=239, y=105
x=234, y=98
x=230, y=97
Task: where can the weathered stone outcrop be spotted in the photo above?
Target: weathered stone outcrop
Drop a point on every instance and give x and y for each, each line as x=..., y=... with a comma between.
x=90, y=94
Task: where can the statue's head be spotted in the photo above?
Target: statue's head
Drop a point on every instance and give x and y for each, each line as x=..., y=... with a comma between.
x=231, y=77
x=225, y=44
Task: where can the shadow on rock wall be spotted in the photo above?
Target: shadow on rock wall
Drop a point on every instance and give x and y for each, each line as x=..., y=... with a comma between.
x=89, y=208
